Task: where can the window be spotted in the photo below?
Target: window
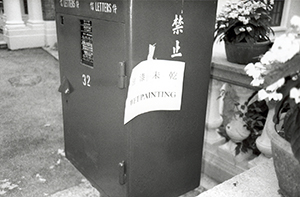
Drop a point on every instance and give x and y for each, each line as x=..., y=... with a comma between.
x=277, y=12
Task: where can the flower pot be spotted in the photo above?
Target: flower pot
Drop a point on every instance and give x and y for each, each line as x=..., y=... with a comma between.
x=244, y=53
x=287, y=167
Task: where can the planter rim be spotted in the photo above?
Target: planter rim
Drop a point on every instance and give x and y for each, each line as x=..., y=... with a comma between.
x=246, y=43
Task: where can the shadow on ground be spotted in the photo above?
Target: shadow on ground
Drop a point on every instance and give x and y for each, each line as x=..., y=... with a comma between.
x=32, y=162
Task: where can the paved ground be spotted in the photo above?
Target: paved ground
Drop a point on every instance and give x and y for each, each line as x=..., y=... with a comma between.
x=32, y=162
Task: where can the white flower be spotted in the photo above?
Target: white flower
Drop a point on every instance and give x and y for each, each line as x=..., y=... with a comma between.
x=255, y=70
x=221, y=18
x=268, y=58
x=246, y=12
x=285, y=47
x=249, y=29
x=244, y=19
x=251, y=70
x=226, y=10
x=295, y=94
x=234, y=6
x=295, y=22
x=222, y=26
x=233, y=14
x=257, y=81
x=242, y=29
x=273, y=87
x=275, y=96
x=241, y=18
x=263, y=94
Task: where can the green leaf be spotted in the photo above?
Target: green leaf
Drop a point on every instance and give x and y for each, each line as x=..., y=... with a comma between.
x=238, y=148
x=237, y=30
x=240, y=37
x=260, y=124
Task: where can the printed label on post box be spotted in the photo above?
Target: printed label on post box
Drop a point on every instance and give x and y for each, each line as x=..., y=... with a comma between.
x=69, y=3
x=104, y=7
x=154, y=85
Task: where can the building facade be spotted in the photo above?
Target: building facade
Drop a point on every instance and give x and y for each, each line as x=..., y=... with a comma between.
x=31, y=23
x=28, y=23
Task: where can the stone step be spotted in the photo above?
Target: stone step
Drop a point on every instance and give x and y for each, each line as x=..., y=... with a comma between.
x=259, y=181
x=207, y=182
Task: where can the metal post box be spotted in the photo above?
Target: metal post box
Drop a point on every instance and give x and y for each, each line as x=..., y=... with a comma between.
x=156, y=154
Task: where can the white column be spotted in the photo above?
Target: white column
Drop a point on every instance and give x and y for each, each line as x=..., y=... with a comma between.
x=35, y=14
x=214, y=120
x=22, y=7
x=35, y=24
x=212, y=138
x=12, y=9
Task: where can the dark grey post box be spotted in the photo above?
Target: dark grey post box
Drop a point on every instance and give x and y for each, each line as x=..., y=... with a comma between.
x=156, y=154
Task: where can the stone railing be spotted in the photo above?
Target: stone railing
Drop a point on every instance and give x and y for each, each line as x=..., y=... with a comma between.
x=220, y=161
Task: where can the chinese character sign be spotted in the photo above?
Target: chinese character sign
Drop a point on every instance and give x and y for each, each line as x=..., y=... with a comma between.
x=154, y=85
x=177, y=29
x=177, y=24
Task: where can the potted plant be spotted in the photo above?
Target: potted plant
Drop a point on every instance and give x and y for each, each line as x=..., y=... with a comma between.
x=244, y=26
x=278, y=72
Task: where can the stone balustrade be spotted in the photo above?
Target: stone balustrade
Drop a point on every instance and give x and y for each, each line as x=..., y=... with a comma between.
x=220, y=161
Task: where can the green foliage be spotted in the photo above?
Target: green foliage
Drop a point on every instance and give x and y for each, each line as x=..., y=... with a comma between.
x=244, y=21
x=255, y=119
x=230, y=99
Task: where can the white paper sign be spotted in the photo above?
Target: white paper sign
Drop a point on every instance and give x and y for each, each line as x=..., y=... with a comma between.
x=154, y=85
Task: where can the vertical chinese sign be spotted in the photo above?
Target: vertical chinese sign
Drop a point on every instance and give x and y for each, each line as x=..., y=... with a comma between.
x=177, y=29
